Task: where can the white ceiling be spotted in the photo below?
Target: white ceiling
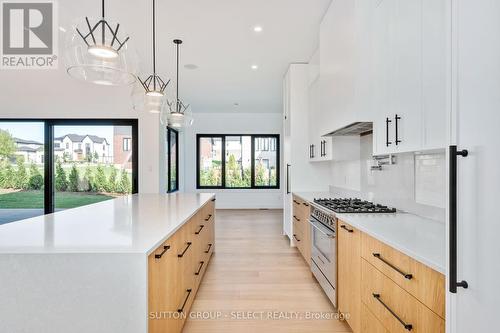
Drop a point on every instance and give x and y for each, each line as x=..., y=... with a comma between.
x=218, y=37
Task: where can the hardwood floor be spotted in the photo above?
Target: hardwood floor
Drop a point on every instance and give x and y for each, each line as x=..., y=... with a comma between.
x=255, y=275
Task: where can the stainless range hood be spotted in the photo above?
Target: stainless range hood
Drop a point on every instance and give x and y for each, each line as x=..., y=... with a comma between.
x=353, y=129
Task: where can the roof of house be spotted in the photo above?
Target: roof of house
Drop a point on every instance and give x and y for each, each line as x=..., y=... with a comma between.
x=27, y=149
x=80, y=138
x=27, y=142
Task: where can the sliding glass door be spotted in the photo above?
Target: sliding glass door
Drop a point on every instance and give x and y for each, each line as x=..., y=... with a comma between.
x=21, y=170
x=55, y=164
x=172, y=159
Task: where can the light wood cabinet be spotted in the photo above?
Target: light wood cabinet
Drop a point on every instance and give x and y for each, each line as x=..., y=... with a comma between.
x=349, y=273
x=395, y=308
x=175, y=271
x=301, y=232
x=369, y=323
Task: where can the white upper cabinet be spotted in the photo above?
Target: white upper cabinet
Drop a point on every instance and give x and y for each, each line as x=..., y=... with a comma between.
x=409, y=66
x=384, y=61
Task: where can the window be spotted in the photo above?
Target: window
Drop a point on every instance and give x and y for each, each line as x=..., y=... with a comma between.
x=39, y=176
x=237, y=161
x=172, y=160
x=126, y=144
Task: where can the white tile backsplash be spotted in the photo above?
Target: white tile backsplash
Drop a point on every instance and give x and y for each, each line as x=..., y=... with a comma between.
x=415, y=183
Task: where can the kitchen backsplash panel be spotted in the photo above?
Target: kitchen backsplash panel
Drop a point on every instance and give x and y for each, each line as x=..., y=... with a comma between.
x=415, y=183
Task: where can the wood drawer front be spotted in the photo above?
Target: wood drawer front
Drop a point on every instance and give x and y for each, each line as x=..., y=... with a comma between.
x=369, y=323
x=400, y=302
x=425, y=284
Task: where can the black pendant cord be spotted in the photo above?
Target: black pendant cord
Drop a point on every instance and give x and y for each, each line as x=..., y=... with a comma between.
x=177, y=102
x=103, y=25
x=154, y=45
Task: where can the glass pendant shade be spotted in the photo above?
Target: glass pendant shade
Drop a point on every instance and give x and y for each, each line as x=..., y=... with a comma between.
x=152, y=101
x=97, y=52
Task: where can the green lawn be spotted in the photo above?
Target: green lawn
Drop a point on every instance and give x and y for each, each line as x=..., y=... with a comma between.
x=34, y=199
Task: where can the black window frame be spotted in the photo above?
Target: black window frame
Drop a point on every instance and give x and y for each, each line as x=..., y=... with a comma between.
x=252, y=160
x=169, y=152
x=48, y=155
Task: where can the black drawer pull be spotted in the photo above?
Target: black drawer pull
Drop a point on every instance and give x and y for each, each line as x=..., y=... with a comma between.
x=396, y=120
x=184, y=252
x=181, y=309
x=165, y=249
x=208, y=218
x=295, y=236
x=379, y=257
x=305, y=204
x=209, y=247
x=406, y=326
x=199, y=268
x=346, y=228
x=199, y=230
x=213, y=199
x=296, y=218
x=387, y=122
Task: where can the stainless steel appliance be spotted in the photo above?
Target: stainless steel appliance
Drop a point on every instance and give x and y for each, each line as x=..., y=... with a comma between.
x=323, y=222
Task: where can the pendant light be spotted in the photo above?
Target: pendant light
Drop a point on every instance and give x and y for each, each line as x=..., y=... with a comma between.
x=178, y=114
x=150, y=93
x=97, y=54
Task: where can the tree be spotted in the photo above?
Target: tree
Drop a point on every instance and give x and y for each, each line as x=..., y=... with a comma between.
x=8, y=176
x=96, y=157
x=61, y=180
x=124, y=185
x=36, y=179
x=100, y=183
x=74, y=179
x=88, y=179
x=260, y=175
x=7, y=144
x=21, y=181
x=112, y=180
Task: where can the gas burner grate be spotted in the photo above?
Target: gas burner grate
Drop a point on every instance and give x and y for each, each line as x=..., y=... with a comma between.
x=353, y=205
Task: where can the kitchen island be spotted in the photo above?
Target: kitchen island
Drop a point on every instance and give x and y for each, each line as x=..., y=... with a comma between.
x=104, y=267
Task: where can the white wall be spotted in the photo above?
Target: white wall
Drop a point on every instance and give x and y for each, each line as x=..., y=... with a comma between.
x=230, y=123
x=65, y=97
x=416, y=183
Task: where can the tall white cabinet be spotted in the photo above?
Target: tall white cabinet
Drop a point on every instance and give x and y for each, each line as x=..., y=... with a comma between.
x=299, y=173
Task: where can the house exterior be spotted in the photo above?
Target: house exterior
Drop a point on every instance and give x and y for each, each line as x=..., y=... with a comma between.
x=122, y=147
x=75, y=147
x=31, y=151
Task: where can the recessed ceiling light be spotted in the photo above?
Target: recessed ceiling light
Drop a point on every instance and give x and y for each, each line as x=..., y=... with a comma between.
x=190, y=66
x=236, y=104
x=257, y=28
x=255, y=67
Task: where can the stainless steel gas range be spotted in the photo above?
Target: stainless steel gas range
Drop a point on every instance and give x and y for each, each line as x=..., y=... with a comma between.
x=323, y=222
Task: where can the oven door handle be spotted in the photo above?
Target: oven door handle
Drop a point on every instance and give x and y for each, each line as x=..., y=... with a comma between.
x=324, y=230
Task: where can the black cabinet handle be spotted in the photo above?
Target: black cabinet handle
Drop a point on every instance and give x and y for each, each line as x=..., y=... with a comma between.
x=312, y=151
x=396, y=121
x=184, y=252
x=209, y=247
x=199, y=268
x=295, y=236
x=454, y=153
x=406, y=275
x=199, y=230
x=288, y=179
x=346, y=228
x=408, y=327
x=213, y=199
x=208, y=217
x=165, y=249
x=387, y=122
x=296, y=218
x=305, y=204
x=181, y=309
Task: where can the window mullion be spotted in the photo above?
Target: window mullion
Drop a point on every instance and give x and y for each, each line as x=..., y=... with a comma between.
x=252, y=163
x=223, y=180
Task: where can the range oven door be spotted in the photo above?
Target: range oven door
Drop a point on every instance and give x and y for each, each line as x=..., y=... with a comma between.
x=324, y=255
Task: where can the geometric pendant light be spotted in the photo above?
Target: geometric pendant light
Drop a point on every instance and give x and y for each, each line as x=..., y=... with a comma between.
x=150, y=94
x=96, y=53
x=177, y=113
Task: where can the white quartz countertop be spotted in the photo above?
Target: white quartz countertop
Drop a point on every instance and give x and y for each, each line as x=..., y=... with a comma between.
x=136, y=223
x=419, y=238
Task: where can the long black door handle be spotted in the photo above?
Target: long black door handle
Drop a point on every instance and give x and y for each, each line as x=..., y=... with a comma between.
x=408, y=327
x=288, y=179
x=454, y=153
x=406, y=275
x=396, y=122
x=184, y=252
x=387, y=122
x=188, y=293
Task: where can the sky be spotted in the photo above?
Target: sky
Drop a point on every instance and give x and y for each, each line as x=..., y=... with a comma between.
x=34, y=131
